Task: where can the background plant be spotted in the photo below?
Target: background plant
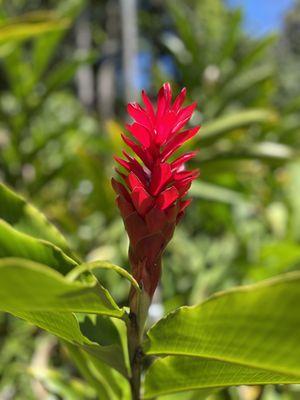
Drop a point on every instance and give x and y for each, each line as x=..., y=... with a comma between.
x=246, y=226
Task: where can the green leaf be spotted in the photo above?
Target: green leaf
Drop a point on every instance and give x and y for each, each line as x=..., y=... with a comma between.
x=46, y=299
x=118, y=385
x=175, y=374
x=26, y=286
x=180, y=13
x=275, y=258
x=15, y=210
x=45, y=45
x=232, y=36
x=254, y=327
x=80, y=360
x=65, y=326
x=99, y=375
x=257, y=51
x=85, y=368
x=26, y=233
x=107, y=332
x=89, y=267
x=66, y=70
x=247, y=80
x=224, y=125
x=189, y=395
x=268, y=152
x=210, y=191
x=59, y=383
x=17, y=244
x=20, y=31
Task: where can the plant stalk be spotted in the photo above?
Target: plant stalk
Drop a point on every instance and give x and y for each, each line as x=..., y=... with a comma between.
x=139, y=306
x=135, y=355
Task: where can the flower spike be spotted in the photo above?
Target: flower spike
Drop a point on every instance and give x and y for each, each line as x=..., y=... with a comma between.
x=151, y=198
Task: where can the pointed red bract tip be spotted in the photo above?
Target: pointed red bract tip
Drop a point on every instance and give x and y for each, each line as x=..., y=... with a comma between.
x=151, y=198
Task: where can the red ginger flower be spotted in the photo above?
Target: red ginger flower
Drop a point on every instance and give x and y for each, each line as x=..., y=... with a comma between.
x=151, y=200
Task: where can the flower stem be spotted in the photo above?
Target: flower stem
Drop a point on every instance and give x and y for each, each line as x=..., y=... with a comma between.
x=135, y=355
x=139, y=306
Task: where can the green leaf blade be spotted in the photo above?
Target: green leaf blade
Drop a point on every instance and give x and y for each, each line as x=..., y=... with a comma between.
x=14, y=243
x=26, y=286
x=66, y=327
x=22, y=216
x=26, y=30
x=175, y=374
x=256, y=326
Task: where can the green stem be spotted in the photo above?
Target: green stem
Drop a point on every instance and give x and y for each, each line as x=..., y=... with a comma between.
x=135, y=355
x=139, y=305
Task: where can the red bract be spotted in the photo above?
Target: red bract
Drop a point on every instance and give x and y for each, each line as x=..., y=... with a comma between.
x=151, y=198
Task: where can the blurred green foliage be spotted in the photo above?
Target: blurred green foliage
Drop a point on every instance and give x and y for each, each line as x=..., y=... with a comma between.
x=244, y=223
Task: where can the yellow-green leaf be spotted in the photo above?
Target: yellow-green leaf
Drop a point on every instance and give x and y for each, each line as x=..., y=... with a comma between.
x=250, y=334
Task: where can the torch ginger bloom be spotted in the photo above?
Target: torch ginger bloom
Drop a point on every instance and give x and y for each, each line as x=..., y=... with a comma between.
x=152, y=198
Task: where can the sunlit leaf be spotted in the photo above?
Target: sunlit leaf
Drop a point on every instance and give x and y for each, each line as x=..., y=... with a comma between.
x=254, y=327
x=65, y=326
x=24, y=217
x=25, y=30
x=17, y=244
x=26, y=286
x=174, y=374
x=46, y=299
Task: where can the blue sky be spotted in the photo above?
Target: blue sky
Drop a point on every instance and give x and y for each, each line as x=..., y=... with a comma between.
x=262, y=16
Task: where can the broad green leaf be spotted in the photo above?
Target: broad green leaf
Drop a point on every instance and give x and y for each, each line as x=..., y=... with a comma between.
x=15, y=210
x=65, y=326
x=26, y=286
x=176, y=373
x=189, y=395
x=224, y=125
x=255, y=326
x=46, y=299
x=17, y=244
x=89, y=267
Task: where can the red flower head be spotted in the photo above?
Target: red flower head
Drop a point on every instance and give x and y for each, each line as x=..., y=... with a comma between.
x=152, y=198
